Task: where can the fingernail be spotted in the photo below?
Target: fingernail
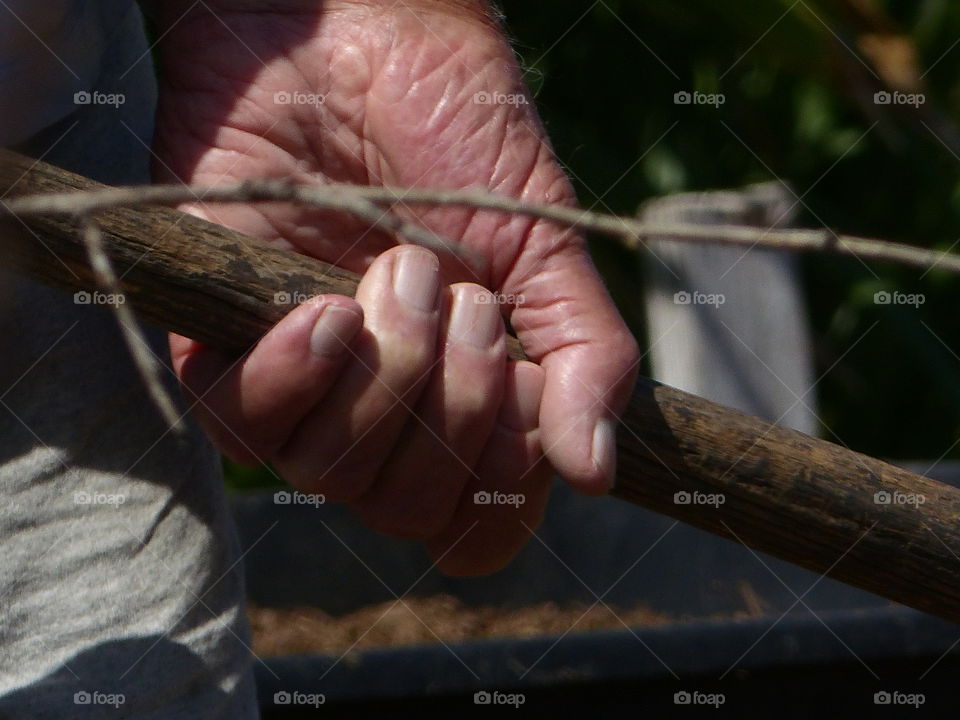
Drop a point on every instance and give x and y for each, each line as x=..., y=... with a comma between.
x=471, y=320
x=416, y=279
x=333, y=331
x=605, y=449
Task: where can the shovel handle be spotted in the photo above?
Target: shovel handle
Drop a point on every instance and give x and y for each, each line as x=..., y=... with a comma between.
x=805, y=500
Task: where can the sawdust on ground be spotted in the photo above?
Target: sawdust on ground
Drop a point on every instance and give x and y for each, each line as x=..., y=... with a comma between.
x=419, y=621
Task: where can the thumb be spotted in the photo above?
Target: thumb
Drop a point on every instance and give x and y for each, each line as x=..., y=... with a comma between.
x=568, y=323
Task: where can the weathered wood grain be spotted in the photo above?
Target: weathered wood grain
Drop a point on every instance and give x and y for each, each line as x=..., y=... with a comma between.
x=804, y=500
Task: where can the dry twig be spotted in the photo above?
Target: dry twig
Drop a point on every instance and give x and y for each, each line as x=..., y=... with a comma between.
x=143, y=358
x=365, y=203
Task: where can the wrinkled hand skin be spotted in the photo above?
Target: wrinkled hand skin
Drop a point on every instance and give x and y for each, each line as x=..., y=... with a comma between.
x=411, y=421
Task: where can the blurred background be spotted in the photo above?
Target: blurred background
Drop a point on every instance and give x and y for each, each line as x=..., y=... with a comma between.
x=798, y=80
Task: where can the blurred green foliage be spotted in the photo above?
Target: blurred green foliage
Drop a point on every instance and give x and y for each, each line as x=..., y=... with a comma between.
x=798, y=80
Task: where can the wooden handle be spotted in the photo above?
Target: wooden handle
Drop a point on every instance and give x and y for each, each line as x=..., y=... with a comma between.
x=805, y=500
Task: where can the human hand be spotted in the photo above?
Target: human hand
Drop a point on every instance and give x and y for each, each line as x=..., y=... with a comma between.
x=391, y=97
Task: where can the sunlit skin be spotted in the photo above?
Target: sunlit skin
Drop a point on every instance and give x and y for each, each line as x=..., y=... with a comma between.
x=417, y=414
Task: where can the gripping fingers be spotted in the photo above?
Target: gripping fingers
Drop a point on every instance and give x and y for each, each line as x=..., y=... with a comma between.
x=505, y=501
x=340, y=446
x=250, y=406
x=418, y=489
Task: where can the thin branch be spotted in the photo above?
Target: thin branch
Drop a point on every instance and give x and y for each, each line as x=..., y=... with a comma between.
x=144, y=360
x=335, y=198
x=364, y=202
x=633, y=232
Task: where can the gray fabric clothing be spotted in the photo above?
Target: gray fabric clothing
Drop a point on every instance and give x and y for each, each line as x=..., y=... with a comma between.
x=121, y=589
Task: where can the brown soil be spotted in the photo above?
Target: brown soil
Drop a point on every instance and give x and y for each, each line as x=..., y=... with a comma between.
x=419, y=621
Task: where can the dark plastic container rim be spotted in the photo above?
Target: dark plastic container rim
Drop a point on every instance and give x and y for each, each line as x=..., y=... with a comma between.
x=696, y=648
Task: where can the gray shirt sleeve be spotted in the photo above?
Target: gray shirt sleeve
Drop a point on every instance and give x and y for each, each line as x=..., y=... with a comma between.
x=121, y=589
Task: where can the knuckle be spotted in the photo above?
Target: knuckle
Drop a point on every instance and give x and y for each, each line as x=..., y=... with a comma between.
x=337, y=484
x=406, y=526
x=405, y=512
x=474, y=400
x=472, y=391
x=410, y=355
x=239, y=447
x=624, y=347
